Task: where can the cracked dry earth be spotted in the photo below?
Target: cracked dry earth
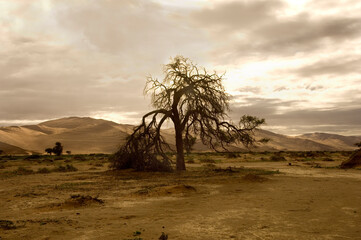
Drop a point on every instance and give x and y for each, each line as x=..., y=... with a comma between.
x=298, y=202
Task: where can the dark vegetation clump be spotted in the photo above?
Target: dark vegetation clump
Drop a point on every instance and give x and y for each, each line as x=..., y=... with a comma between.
x=277, y=158
x=353, y=161
x=57, y=149
x=206, y=159
x=232, y=155
x=33, y=156
x=23, y=171
x=7, y=225
x=135, y=156
x=66, y=168
x=328, y=159
x=43, y=170
x=84, y=199
x=254, y=177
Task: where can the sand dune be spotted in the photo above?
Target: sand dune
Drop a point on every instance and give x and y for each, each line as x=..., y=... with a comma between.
x=334, y=140
x=89, y=135
x=10, y=149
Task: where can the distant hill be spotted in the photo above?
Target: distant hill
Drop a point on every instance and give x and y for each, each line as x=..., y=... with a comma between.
x=334, y=140
x=79, y=135
x=281, y=142
x=89, y=135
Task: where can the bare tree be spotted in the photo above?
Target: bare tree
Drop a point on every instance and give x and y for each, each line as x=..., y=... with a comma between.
x=197, y=104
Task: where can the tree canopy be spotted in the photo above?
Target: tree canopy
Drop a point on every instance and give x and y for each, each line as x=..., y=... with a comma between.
x=197, y=104
x=58, y=149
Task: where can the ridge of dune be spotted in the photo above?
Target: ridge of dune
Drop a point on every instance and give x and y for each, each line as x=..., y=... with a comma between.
x=89, y=135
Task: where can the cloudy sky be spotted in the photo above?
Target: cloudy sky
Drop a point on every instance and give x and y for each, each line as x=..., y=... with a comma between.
x=295, y=62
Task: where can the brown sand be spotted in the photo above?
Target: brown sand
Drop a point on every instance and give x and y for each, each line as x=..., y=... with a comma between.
x=301, y=202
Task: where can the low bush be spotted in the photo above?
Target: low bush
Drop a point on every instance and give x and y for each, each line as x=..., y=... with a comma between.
x=232, y=155
x=277, y=158
x=66, y=168
x=43, y=170
x=206, y=159
x=33, y=156
x=23, y=171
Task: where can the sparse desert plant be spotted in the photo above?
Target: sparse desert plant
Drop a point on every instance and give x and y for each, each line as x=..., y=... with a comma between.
x=206, y=159
x=190, y=159
x=66, y=168
x=43, y=170
x=232, y=155
x=7, y=224
x=208, y=166
x=328, y=159
x=33, y=156
x=254, y=177
x=277, y=158
x=23, y=171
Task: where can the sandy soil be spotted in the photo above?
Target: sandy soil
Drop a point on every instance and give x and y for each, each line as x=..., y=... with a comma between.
x=300, y=201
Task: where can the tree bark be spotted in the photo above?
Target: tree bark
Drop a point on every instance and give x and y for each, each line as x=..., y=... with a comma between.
x=180, y=151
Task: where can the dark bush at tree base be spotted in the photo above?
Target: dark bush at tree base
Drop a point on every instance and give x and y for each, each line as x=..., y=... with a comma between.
x=353, y=161
x=138, y=160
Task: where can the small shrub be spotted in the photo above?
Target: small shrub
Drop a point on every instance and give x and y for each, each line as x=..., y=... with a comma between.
x=79, y=157
x=328, y=159
x=209, y=166
x=67, y=168
x=190, y=161
x=254, y=178
x=206, y=160
x=33, y=156
x=277, y=158
x=43, y=170
x=232, y=155
x=23, y=171
x=7, y=225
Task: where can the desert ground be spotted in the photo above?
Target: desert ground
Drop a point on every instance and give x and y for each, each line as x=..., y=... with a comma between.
x=286, y=195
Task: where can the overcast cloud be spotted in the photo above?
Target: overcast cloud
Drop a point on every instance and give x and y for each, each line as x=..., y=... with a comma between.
x=295, y=63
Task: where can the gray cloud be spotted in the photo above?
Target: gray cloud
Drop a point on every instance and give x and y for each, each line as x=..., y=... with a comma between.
x=233, y=16
x=89, y=57
x=331, y=67
x=255, y=29
x=347, y=116
x=247, y=89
